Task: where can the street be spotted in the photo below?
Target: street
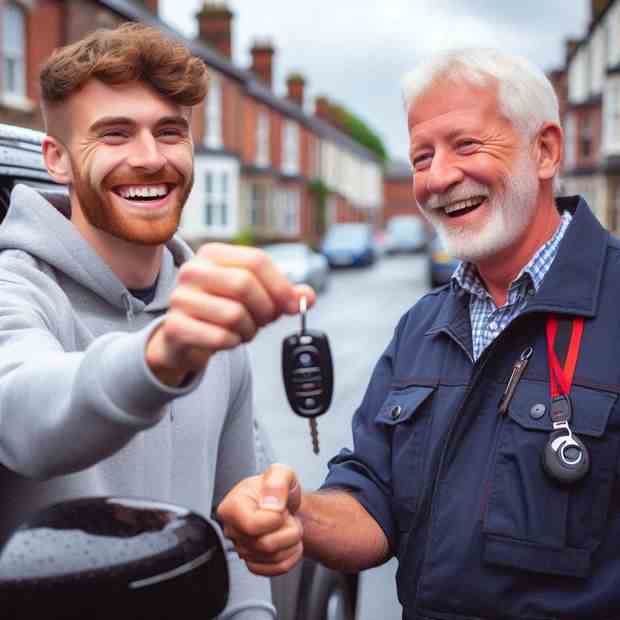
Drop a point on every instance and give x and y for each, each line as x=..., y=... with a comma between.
x=359, y=312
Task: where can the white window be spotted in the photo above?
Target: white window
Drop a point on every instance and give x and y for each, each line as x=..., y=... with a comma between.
x=611, y=116
x=569, y=141
x=290, y=156
x=213, y=114
x=258, y=205
x=290, y=217
x=262, y=139
x=13, y=46
x=217, y=199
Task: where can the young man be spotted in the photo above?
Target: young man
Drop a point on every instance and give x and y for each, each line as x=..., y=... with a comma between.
x=486, y=448
x=119, y=367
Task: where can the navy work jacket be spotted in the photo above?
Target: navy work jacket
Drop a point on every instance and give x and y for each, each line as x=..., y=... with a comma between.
x=479, y=529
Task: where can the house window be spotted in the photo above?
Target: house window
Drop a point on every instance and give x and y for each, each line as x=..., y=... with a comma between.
x=585, y=136
x=611, y=107
x=262, y=139
x=569, y=141
x=217, y=199
x=291, y=212
x=213, y=114
x=290, y=156
x=258, y=205
x=13, y=45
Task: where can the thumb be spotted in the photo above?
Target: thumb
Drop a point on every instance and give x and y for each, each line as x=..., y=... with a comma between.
x=280, y=489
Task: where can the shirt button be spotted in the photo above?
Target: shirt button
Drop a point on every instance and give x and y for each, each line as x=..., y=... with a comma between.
x=538, y=411
x=493, y=325
x=396, y=411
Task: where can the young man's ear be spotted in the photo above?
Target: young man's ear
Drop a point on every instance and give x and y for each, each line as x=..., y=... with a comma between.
x=549, y=150
x=56, y=158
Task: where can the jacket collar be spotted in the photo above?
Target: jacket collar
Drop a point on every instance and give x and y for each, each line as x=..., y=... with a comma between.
x=571, y=286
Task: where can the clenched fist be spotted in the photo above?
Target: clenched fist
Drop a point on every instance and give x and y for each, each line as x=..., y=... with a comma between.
x=259, y=516
x=223, y=295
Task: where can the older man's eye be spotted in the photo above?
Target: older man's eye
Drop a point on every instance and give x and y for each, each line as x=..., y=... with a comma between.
x=420, y=161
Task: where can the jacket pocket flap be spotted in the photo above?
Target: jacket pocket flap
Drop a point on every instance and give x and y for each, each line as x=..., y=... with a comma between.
x=591, y=408
x=401, y=404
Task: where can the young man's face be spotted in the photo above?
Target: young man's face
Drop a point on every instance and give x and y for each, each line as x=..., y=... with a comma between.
x=131, y=155
x=474, y=178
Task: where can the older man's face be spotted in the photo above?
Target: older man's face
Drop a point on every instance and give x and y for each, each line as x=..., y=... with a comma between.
x=474, y=178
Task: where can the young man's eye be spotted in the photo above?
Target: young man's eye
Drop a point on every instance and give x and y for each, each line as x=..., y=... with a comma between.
x=114, y=136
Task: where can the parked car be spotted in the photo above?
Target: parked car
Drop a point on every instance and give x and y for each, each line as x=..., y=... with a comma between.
x=300, y=263
x=441, y=265
x=310, y=591
x=349, y=244
x=405, y=234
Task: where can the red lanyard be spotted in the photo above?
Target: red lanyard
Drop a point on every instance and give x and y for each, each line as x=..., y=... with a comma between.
x=561, y=377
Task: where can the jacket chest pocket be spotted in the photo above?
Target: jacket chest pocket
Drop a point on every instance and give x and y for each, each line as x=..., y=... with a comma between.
x=406, y=413
x=532, y=522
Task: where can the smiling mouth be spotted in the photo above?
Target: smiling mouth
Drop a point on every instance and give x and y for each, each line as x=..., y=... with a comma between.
x=462, y=207
x=144, y=193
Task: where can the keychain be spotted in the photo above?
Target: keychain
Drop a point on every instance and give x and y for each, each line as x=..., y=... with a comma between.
x=308, y=373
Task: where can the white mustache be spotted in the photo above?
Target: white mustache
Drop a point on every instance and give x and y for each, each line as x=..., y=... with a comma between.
x=466, y=190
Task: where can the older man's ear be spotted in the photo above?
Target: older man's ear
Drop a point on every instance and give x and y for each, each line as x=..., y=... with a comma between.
x=548, y=150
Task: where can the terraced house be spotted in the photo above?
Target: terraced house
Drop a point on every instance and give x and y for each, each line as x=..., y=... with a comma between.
x=588, y=87
x=265, y=167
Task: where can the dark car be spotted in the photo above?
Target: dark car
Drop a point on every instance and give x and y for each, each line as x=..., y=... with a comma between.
x=441, y=265
x=310, y=591
x=349, y=244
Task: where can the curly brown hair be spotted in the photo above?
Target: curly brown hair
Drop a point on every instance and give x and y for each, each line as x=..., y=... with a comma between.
x=131, y=52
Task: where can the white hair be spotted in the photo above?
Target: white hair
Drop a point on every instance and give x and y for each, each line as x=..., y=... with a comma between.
x=525, y=95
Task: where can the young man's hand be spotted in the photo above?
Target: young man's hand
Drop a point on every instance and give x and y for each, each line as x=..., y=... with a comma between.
x=223, y=295
x=259, y=516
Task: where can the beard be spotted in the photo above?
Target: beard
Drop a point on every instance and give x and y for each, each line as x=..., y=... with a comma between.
x=510, y=212
x=102, y=213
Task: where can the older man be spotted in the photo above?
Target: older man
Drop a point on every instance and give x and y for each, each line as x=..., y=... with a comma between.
x=486, y=446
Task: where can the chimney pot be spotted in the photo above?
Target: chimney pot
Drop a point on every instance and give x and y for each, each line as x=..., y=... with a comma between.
x=215, y=26
x=262, y=60
x=295, y=84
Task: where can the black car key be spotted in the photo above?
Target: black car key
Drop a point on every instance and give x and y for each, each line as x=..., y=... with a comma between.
x=308, y=373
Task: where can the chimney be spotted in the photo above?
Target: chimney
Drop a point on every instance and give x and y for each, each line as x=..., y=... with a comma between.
x=570, y=45
x=321, y=108
x=215, y=25
x=295, y=88
x=150, y=5
x=262, y=60
x=596, y=9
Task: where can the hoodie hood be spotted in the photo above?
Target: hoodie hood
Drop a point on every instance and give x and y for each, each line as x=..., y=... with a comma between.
x=45, y=232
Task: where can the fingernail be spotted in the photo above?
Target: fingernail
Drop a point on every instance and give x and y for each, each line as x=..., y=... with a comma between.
x=271, y=503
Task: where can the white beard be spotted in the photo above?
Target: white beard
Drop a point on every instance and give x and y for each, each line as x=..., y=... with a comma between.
x=510, y=212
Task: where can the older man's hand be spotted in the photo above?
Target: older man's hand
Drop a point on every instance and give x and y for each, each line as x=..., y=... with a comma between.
x=259, y=517
x=223, y=295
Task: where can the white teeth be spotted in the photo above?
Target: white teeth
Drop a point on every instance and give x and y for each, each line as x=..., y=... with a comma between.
x=143, y=191
x=464, y=204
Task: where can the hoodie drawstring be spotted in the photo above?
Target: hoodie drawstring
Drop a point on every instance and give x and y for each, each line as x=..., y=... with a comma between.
x=128, y=307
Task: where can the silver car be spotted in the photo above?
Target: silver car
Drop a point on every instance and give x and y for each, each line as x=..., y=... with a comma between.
x=300, y=264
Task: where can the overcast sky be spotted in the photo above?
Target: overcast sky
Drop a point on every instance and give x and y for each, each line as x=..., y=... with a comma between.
x=356, y=51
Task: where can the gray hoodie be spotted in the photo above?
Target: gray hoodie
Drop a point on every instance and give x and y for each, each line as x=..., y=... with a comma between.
x=81, y=413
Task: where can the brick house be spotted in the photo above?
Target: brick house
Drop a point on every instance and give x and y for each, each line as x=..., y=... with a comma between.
x=257, y=155
x=588, y=87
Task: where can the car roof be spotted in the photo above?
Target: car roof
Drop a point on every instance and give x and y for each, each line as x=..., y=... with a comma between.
x=21, y=161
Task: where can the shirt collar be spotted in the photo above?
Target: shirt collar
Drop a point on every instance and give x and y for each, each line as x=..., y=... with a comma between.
x=466, y=275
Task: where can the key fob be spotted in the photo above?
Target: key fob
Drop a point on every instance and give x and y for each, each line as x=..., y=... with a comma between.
x=308, y=372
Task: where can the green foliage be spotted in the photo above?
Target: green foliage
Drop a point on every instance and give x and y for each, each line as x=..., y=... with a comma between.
x=320, y=193
x=244, y=237
x=357, y=129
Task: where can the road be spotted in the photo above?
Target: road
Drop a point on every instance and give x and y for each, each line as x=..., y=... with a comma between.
x=358, y=312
